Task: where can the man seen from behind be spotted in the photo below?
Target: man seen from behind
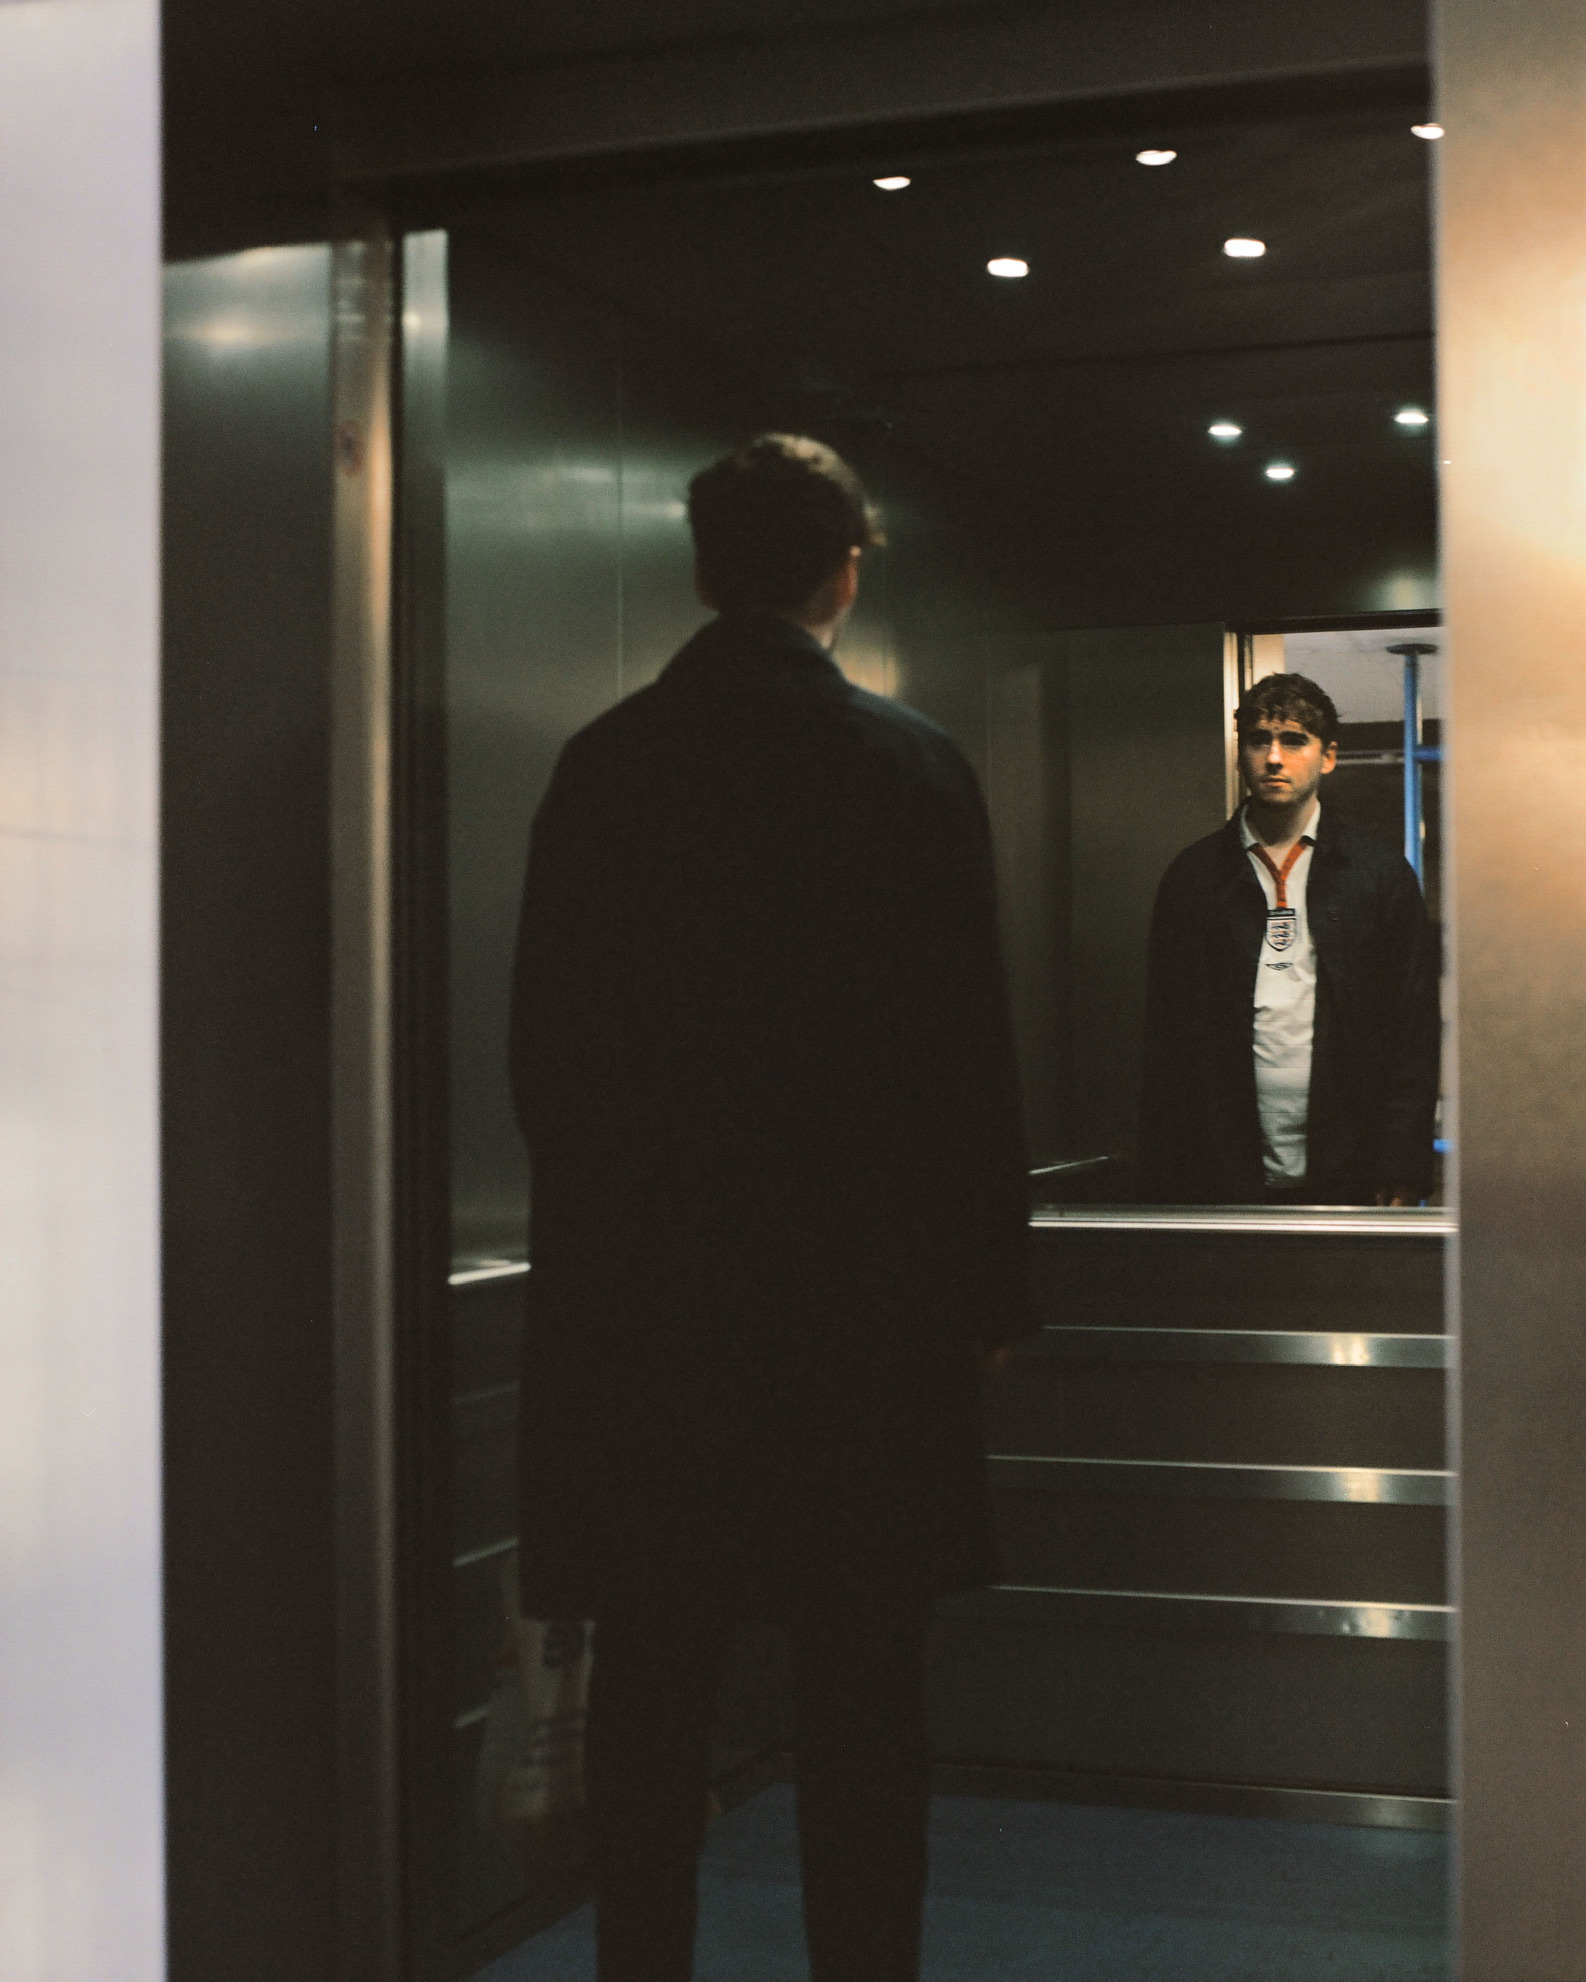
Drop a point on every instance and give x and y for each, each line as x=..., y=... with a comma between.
x=762, y=1059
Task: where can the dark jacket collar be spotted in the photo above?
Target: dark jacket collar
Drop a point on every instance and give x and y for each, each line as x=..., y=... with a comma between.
x=737, y=644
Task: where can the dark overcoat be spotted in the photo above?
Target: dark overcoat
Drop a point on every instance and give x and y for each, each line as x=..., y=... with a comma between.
x=1377, y=1041
x=762, y=1059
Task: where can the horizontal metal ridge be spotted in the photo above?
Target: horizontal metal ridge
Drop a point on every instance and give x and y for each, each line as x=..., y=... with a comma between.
x=1079, y=1344
x=1373, y=1486
x=1174, y=1610
x=1386, y=1809
x=477, y=1271
x=1253, y=1221
x=470, y=1557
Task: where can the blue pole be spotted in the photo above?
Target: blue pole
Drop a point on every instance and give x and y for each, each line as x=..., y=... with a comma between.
x=1415, y=755
x=1412, y=762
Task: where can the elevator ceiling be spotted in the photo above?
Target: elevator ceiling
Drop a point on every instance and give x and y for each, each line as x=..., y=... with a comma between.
x=1082, y=394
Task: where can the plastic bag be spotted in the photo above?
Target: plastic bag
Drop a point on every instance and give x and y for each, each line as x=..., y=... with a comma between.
x=529, y=1787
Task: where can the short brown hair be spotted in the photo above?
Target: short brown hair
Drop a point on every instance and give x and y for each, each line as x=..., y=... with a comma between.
x=774, y=519
x=1288, y=698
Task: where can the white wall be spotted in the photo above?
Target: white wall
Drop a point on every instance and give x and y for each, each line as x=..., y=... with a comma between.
x=80, y=1717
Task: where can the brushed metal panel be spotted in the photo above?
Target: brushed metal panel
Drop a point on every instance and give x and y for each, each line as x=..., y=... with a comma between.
x=533, y=651
x=484, y=1469
x=1301, y=1549
x=1069, y=1343
x=487, y=1333
x=1361, y=1486
x=1240, y=1413
x=1028, y=797
x=1153, y=695
x=1382, y=1811
x=81, y=1752
x=248, y=1348
x=1287, y=1707
x=1513, y=419
x=1377, y=1277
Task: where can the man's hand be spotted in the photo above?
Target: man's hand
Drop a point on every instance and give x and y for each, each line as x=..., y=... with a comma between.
x=1397, y=1194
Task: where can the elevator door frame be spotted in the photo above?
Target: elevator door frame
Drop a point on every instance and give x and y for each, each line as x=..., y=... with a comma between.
x=1485, y=1701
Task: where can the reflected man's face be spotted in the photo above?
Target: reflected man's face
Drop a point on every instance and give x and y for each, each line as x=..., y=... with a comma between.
x=1282, y=763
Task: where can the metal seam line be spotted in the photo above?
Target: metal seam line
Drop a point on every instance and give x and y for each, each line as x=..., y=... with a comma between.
x=1366, y=1223
x=495, y=1269
x=1212, y=1478
x=1320, y=1347
x=473, y=1555
x=1305, y=1616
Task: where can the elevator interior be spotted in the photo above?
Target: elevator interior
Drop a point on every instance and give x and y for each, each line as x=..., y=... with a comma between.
x=1220, y=1470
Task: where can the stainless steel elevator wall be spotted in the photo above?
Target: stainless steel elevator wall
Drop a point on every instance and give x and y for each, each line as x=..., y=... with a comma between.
x=248, y=1355
x=572, y=432
x=1106, y=756
x=1222, y=1492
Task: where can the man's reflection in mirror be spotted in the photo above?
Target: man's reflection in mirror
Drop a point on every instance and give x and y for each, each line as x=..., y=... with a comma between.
x=1292, y=1019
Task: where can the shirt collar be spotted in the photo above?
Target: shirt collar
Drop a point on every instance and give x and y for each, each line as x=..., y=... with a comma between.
x=1313, y=826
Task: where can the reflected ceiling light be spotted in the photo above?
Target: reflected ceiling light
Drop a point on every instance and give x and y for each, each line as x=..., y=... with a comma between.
x=893, y=185
x=1427, y=130
x=1224, y=430
x=1412, y=416
x=1279, y=471
x=1155, y=157
x=1244, y=250
x=1007, y=265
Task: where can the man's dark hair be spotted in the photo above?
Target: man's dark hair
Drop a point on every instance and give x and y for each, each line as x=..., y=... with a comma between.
x=1288, y=698
x=773, y=520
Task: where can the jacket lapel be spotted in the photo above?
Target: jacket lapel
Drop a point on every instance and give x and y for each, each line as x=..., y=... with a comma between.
x=1244, y=905
x=1328, y=879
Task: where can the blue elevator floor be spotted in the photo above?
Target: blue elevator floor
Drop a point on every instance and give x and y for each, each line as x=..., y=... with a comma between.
x=1051, y=1892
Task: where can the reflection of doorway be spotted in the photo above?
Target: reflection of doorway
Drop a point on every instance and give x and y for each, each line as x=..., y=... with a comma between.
x=1389, y=765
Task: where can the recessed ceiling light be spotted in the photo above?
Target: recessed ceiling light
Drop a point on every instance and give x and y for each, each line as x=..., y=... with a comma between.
x=1412, y=416
x=1244, y=250
x=893, y=185
x=1427, y=130
x=1007, y=265
x=1224, y=430
x=1155, y=157
x=1279, y=471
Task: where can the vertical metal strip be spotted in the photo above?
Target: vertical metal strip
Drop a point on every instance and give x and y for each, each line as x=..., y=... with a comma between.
x=369, y=1881
x=1512, y=423
x=422, y=1239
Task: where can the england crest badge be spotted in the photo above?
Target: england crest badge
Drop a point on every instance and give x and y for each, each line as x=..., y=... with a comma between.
x=1282, y=925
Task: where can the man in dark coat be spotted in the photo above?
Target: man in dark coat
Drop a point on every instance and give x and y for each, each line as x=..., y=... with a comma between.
x=1292, y=1020
x=762, y=1059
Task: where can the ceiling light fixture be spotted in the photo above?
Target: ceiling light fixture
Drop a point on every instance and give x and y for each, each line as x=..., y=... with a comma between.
x=1224, y=430
x=1412, y=416
x=1279, y=471
x=1155, y=157
x=893, y=185
x=1244, y=250
x=1007, y=265
x=1428, y=131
